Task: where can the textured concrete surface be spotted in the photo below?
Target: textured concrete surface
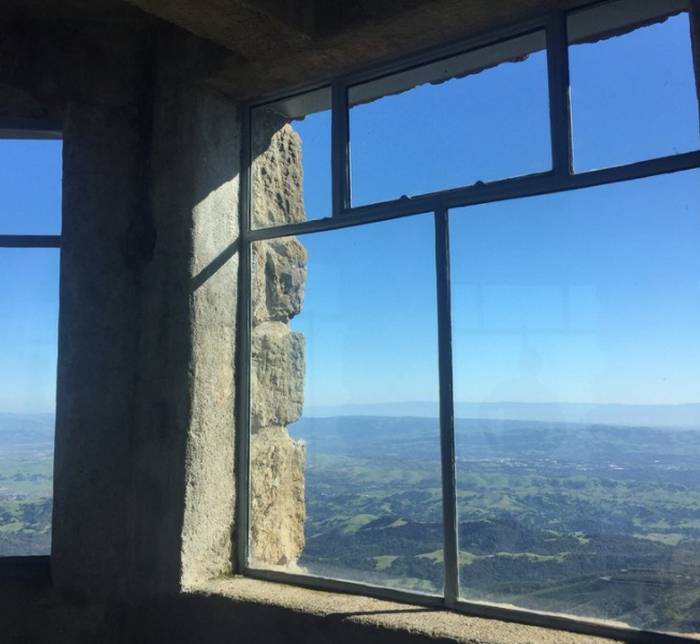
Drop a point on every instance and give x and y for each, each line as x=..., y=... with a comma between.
x=98, y=338
x=342, y=35
x=185, y=405
x=384, y=619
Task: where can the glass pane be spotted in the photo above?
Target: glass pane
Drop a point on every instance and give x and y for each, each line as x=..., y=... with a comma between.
x=345, y=480
x=28, y=341
x=291, y=152
x=577, y=388
x=632, y=83
x=29, y=184
x=479, y=116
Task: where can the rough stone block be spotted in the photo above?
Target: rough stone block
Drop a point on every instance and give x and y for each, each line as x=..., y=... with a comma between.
x=277, y=498
x=279, y=275
x=277, y=376
x=276, y=178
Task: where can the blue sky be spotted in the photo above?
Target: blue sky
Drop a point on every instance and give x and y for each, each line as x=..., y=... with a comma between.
x=586, y=296
x=30, y=203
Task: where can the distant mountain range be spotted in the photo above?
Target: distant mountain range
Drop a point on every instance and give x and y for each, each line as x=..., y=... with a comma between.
x=41, y=426
x=25, y=429
x=685, y=415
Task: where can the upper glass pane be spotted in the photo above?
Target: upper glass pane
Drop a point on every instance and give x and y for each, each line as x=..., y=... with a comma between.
x=30, y=187
x=576, y=341
x=291, y=160
x=28, y=348
x=479, y=116
x=345, y=473
x=633, y=93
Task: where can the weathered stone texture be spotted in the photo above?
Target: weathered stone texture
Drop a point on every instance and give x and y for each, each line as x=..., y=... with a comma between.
x=276, y=171
x=279, y=274
x=277, y=498
x=277, y=374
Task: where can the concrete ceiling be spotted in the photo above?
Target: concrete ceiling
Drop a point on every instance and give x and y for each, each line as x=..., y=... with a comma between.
x=73, y=10
x=272, y=45
x=277, y=44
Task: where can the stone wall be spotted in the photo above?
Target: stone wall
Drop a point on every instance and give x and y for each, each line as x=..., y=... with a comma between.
x=144, y=473
x=277, y=373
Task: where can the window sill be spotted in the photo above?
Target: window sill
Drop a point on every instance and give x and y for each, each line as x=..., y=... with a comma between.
x=33, y=568
x=383, y=617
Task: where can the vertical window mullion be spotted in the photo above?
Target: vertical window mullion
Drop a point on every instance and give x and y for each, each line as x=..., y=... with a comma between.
x=340, y=144
x=559, y=94
x=694, y=13
x=447, y=437
x=242, y=419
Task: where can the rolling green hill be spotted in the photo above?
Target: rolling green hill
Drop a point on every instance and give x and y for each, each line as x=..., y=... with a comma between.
x=596, y=520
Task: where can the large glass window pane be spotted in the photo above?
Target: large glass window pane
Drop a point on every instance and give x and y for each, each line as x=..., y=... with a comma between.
x=577, y=388
x=30, y=181
x=291, y=160
x=28, y=341
x=633, y=88
x=345, y=461
x=479, y=116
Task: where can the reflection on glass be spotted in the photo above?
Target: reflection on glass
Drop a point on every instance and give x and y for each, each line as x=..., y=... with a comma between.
x=576, y=367
x=633, y=89
x=28, y=345
x=29, y=183
x=345, y=473
x=291, y=160
x=479, y=116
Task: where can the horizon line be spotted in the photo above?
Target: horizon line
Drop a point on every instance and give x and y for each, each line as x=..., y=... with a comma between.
x=509, y=402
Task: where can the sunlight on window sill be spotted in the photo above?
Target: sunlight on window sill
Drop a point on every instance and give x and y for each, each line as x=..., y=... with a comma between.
x=379, y=614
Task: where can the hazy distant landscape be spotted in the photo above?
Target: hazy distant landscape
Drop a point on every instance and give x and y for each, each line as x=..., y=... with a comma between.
x=599, y=520
x=596, y=520
x=26, y=471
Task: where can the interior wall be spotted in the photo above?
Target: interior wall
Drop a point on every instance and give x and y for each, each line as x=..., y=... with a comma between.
x=147, y=324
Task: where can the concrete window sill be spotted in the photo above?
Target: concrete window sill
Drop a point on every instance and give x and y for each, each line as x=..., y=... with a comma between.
x=384, y=621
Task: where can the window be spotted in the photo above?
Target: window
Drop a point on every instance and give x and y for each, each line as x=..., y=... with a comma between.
x=574, y=340
x=469, y=350
x=30, y=216
x=360, y=286
x=291, y=156
x=457, y=114
x=643, y=103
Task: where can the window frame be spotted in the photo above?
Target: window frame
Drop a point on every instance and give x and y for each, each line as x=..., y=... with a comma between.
x=560, y=178
x=28, y=129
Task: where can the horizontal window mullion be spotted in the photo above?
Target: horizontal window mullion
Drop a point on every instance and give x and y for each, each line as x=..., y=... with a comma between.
x=529, y=186
x=30, y=129
x=30, y=241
